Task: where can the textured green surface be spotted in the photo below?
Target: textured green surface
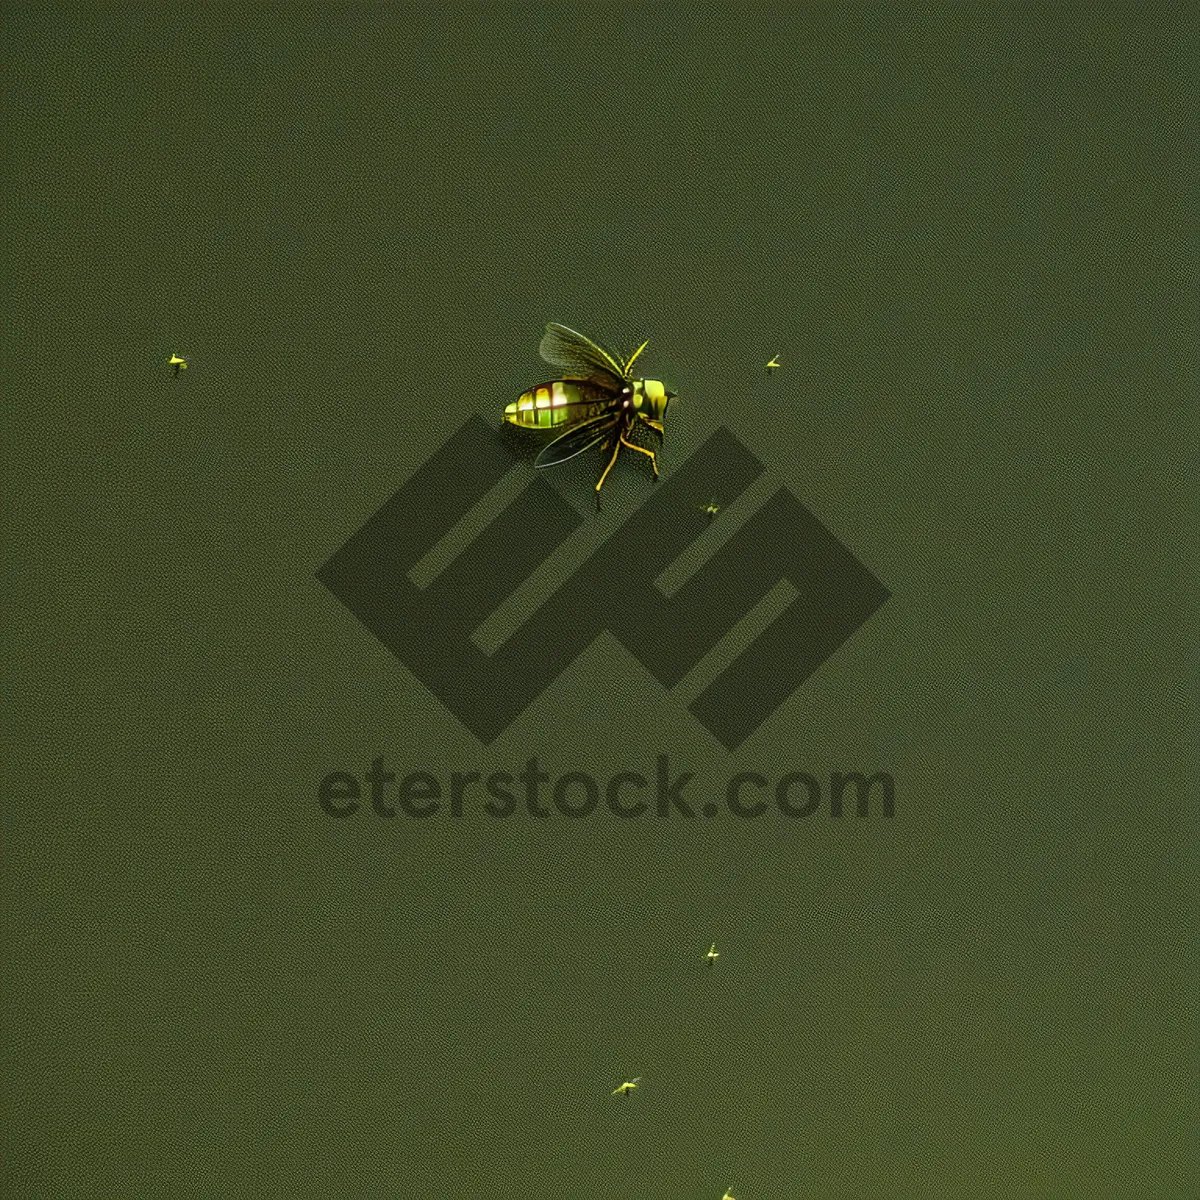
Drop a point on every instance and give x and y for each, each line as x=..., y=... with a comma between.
x=970, y=236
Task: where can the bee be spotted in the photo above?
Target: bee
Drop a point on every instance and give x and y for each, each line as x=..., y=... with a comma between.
x=598, y=403
x=176, y=362
x=711, y=509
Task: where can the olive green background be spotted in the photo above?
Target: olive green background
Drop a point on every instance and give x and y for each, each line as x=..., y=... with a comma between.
x=971, y=237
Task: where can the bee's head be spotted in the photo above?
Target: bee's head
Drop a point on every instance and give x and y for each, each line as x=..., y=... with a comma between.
x=657, y=400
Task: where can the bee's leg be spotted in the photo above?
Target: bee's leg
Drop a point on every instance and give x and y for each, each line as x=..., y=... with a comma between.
x=642, y=450
x=658, y=425
x=604, y=475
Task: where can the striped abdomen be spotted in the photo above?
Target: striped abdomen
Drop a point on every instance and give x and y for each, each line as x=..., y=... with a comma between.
x=561, y=402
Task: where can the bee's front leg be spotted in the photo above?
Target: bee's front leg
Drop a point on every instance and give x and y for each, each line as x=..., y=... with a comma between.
x=642, y=450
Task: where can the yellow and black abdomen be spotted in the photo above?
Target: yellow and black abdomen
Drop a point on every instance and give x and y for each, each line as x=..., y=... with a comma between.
x=557, y=404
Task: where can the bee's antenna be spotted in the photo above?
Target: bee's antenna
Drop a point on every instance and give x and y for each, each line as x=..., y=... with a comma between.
x=635, y=354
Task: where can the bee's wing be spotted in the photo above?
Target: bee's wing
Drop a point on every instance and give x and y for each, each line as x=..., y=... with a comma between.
x=577, y=439
x=563, y=347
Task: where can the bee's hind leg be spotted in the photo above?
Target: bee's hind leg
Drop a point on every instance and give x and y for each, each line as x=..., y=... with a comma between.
x=604, y=473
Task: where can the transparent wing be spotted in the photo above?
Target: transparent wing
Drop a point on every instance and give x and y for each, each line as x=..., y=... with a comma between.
x=566, y=348
x=578, y=439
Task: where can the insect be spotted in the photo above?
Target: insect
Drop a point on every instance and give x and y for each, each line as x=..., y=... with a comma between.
x=598, y=403
x=713, y=954
x=627, y=1087
x=711, y=509
x=176, y=362
x=773, y=364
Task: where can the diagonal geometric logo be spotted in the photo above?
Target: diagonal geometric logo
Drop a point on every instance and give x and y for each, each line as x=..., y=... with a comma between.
x=429, y=629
